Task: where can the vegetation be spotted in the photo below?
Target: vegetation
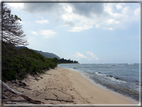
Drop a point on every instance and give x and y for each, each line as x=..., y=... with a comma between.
x=11, y=28
x=17, y=63
x=67, y=61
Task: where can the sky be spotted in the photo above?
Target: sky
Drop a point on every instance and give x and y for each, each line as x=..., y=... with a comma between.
x=86, y=32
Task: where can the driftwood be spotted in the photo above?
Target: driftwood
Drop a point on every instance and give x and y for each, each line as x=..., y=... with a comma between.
x=20, y=94
x=58, y=100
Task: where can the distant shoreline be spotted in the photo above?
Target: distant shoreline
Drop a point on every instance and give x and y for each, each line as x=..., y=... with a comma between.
x=69, y=63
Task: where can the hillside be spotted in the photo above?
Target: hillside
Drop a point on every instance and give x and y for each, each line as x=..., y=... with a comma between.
x=45, y=54
x=17, y=63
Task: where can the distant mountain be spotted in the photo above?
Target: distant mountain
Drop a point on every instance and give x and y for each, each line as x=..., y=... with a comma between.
x=45, y=54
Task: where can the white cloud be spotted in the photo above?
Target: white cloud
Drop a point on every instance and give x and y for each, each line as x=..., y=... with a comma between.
x=137, y=11
x=47, y=33
x=80, y=28
x=118, y=6
x=16, y=5
x=108, y=7
x=67, y=8
x=69, y=16
x=80, y=55
x=79, y=22
x=97, y=26
x=108, y=28
x=34, y=33
x=42, y=21
x=78, y=17
x=111, y=21
x=125, y=10
x=93, y=55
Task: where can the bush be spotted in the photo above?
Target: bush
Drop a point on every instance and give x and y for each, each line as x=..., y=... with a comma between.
x=17, y=63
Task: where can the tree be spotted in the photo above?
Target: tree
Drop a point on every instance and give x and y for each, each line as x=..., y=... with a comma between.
x=12, y=32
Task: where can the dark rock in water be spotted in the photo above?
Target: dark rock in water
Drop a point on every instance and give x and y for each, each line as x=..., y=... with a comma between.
x=116, y=78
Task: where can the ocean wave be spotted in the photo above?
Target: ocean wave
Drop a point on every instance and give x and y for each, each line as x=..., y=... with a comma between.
x=113, y=78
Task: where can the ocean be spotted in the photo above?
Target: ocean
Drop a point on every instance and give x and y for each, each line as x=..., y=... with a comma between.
x=122, y=78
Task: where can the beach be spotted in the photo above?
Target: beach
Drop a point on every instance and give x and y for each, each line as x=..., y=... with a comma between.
x=64, y=86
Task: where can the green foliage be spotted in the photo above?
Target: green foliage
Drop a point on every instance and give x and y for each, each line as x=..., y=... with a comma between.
x=17, y=63
x=67, y=61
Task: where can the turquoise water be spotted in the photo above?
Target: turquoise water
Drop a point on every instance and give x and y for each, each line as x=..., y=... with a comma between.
x=122, y=78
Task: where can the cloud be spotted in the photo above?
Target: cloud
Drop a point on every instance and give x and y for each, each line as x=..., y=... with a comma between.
x=137, y=11
x=47, y=33
x=42, y=21
x=108, y=7
x=93, y=55
x=112, y=21
x=80, y=28
x=34, y=33
x=125, y=10
x=118, y=6
x=69, y=23
x=97, y=25
x=16, y=5
x=108, y=28
x=78, y=17
x=80, y=55
x=87, y=9
x=42, y=7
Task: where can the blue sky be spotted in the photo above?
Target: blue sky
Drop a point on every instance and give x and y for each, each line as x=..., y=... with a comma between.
x=86, y=32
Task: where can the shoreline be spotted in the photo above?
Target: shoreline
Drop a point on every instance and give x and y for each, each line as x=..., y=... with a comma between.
x=102, y=88
x=107, y=89
x=64, y=86
x=68, y=63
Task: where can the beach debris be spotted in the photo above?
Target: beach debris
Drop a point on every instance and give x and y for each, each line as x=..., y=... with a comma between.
x=20, y=94
x=13, y=81
x=4, y=97
x=59, y=100
x=22, y=83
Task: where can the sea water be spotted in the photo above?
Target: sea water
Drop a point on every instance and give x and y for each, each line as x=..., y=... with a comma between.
x=122, y=78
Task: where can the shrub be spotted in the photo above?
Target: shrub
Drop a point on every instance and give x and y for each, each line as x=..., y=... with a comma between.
x=17, y=63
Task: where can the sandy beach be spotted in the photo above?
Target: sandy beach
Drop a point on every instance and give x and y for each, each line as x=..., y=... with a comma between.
x=63, y=86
